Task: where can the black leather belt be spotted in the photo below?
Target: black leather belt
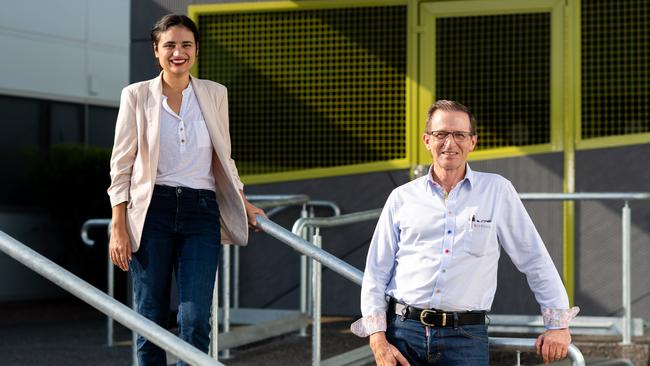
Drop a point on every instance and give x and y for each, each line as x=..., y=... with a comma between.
x=437, y=318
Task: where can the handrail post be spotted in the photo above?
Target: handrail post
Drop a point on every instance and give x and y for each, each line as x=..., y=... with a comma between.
x=303, y=275
x=214, y=319
x=627, y=274
x=235, y=277
x=225, y=354
x=316, y=287
x=110, y=289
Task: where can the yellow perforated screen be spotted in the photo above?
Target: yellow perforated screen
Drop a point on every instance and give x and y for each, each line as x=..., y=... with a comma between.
x=310, y=88
x=499, y=66
x=615, y=67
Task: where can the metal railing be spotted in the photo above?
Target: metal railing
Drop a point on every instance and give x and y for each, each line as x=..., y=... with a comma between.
x=626, y=222
x=355, y=275
x=299, y=228
x=276, y=202
x=102, y=302
x=528, y=344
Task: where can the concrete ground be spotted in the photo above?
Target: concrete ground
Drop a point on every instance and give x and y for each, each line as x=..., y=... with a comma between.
x=71, y=333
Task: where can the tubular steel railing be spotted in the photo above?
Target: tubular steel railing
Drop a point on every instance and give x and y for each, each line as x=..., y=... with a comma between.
x=274, y=202
x=626, y=222
x=355, y=275
x=103, y=302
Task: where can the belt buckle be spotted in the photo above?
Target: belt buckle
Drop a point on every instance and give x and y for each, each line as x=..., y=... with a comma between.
x=424, y=313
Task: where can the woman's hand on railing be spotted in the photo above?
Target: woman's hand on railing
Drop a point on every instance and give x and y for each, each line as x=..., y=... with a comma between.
x=553, y=344
x=252, y=212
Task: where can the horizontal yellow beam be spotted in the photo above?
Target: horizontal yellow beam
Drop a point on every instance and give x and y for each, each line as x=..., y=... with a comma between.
x=325, y=172
x=511, y=151
x=198, y=9
x=613, y=141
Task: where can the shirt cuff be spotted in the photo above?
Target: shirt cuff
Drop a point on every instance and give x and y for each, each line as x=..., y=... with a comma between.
x=369, y=324
x=558, y=318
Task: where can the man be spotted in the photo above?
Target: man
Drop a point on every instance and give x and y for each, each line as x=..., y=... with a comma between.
x=432, y=264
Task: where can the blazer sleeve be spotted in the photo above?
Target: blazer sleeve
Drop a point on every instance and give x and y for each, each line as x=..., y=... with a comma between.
x=125, y=148
x=223, y=116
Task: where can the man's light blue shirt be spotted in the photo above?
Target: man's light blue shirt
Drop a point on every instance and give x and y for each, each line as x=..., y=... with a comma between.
x=433, y=250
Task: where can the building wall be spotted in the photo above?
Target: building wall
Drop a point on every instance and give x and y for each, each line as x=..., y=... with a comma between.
x=269, y=269
x=64, y=65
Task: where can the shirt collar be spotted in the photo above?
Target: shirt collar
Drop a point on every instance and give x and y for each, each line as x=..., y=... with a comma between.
x=470, y=177
x=186, y=92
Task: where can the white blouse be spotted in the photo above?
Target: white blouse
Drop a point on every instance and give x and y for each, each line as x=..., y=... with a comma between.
x=185, y=147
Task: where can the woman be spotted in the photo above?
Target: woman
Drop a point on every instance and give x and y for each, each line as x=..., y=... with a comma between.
x=175, y=191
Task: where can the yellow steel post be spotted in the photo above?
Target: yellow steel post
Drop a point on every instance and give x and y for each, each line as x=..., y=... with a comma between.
x=571, y=119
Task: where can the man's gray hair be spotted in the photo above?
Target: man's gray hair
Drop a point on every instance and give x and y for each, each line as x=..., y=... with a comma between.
x=450, y=106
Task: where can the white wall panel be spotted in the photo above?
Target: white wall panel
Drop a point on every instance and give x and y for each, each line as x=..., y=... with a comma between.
x=109, y=22
x=54, y=18
x=76, y=50
x=106, y=70
x=45, y=66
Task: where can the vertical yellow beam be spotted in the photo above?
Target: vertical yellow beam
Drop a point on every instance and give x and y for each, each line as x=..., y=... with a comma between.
x=571, y=122
x=412, y=82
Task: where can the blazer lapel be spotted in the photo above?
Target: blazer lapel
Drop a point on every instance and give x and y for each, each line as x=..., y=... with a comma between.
x=152, y=112
x=210, y=115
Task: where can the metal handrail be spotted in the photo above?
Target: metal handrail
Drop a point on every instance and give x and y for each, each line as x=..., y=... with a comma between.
x=355, y=275
x=351, y=218
x=311, y=203
x=304, y=247
x=276, y=203
x=583, y=196
x=268, y=201
x=93, y=223
x=103, y=302
x=262, y=201
x=626, y=241
x=516, y=344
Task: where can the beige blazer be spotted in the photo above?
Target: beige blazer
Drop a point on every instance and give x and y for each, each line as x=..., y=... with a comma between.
x=134, y=161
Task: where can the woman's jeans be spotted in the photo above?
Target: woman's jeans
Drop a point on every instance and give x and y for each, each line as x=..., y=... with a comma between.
x=424, y=345
x=181, y=234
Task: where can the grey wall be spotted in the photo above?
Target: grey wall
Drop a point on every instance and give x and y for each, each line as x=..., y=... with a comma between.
x=598, y=256
x=38, y=232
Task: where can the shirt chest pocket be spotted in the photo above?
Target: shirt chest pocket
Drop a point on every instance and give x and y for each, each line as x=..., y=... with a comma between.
x=479, y=238
x=201, y=134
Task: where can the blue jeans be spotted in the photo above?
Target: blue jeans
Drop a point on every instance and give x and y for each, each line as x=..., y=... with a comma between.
x=424, y=345
x=181, y=234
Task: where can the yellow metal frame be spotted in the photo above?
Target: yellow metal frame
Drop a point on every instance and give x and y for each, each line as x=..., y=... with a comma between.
x=194, y=11
x=565, y=41
x=430, y=11
x=571, y=121
x=609, y=141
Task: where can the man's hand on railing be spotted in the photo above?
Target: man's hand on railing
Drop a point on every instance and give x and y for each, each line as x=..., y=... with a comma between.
x=385, y=353
x=553, y=344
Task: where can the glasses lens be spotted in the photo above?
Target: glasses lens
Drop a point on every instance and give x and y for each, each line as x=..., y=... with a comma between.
x=440, y=135
x=460, y=136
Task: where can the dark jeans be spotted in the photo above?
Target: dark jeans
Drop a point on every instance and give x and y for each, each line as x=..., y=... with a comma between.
x=423, y=345
x=181, y=234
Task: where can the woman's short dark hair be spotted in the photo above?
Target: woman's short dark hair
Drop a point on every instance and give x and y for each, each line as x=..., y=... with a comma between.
x=172, y=20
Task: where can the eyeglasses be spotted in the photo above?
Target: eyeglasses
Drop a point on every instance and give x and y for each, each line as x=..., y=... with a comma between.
x=459, y=136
